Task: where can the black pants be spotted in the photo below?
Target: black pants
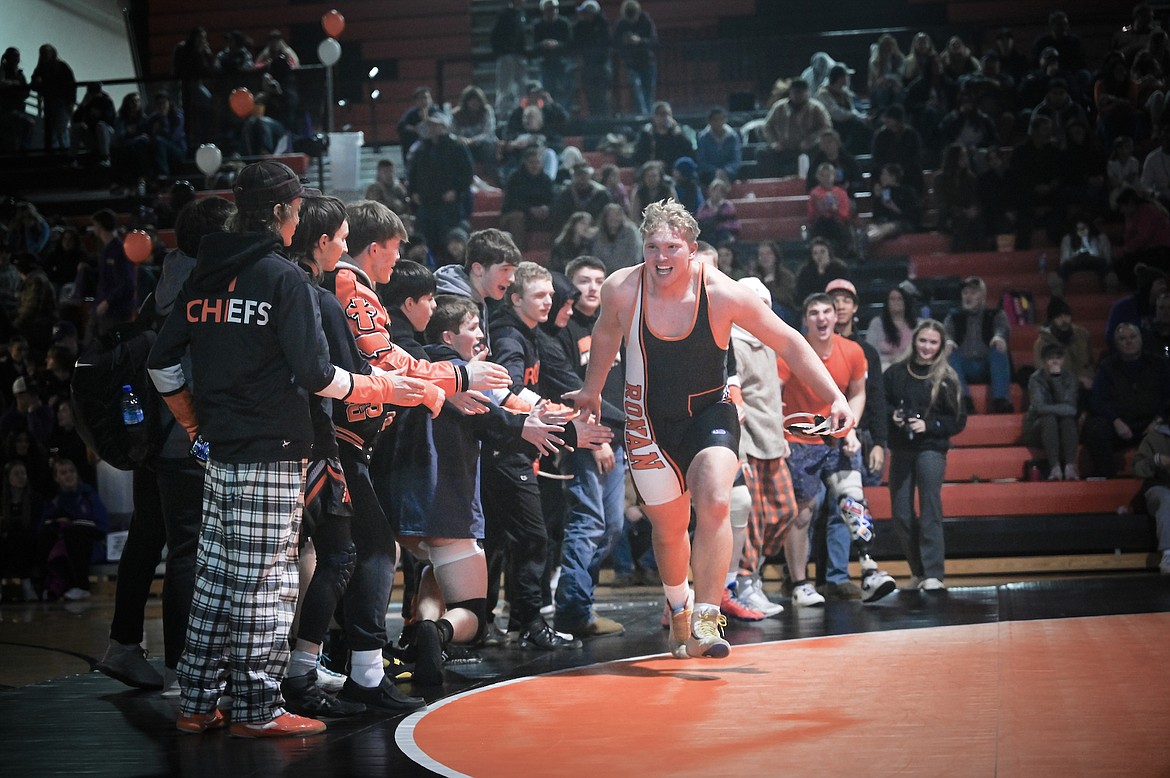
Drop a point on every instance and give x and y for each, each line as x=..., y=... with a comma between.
x=514, y=533
x=368, y=592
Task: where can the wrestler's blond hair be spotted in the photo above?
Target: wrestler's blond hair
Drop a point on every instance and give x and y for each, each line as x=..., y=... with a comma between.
x=669, y=214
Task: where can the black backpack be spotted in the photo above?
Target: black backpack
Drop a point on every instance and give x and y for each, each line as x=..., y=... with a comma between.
x=108, y=363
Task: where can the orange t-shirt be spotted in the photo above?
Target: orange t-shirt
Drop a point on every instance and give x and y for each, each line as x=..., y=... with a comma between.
x=846, y=364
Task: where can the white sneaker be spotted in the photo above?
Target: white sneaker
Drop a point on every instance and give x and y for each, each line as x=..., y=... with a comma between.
x=932, y=585
x=875, y=583
x=327, y=679
x=750, y=594
x=76, y=593
x=1164, y=565
x=806, y=596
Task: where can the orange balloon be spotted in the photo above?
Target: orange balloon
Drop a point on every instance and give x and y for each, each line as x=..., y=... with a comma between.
x=333, y=23
x=241, y=102
x=138, y=246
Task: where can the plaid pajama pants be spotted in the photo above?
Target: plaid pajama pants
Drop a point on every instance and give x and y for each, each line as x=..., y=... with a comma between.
x=773, y=509
x=245, y=589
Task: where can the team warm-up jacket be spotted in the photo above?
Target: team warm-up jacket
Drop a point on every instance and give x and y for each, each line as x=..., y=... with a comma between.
x=243, y=305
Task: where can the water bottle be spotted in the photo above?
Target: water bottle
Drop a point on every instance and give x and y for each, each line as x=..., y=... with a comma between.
x=804, y=232
x=132, y=414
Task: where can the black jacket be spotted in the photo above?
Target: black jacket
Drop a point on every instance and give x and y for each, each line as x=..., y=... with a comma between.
x=944, y=419
x=257, y=349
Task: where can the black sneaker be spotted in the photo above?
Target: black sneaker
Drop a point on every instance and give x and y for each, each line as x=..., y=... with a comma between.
x=428, y=660
x=539, y=635
x=383, y=698
x=304, y=697
x=455, y=654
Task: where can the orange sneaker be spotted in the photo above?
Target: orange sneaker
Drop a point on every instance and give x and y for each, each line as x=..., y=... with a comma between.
x=195, y=724
x=286, y=725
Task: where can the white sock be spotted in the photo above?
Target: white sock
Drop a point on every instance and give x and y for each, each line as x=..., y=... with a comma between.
x=301, y=663
x=703, y=607
x=676, y=595
x=365, y=668
x=729, y=582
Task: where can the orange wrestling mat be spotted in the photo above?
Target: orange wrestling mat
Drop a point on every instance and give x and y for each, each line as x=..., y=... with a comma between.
x=1065, y=697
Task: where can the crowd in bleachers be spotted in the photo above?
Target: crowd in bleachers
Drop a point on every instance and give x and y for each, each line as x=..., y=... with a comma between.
x=996, y=149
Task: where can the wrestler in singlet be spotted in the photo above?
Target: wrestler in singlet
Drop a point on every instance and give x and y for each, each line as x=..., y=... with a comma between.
x=676, y=399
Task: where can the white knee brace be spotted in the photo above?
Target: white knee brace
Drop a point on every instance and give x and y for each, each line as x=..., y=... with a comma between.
x=741, y=506
x=450, y=553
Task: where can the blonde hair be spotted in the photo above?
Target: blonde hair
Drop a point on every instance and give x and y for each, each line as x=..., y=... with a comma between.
x=940, y=372
x=672, y=215
x=526, y=273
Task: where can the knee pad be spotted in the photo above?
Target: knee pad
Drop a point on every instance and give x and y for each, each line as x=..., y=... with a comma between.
x=452, y=552
x=343, y=562
x=741, y=506
x=856, y=516
x=478, y=606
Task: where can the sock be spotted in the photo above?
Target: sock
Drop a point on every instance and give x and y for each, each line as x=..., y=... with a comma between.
x=676, y=595
x=446, y=631
x=704, y=607
x=365, y=668
x=729, y=581
x=301, y=663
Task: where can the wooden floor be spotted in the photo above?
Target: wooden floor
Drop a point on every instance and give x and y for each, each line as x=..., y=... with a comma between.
x=1049, y=677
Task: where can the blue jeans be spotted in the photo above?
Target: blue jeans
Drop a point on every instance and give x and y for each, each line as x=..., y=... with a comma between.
x=592, y=526
x=995, y=368
x=643, y=82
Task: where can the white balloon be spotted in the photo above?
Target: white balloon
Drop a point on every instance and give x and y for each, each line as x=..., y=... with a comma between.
x=329, y=51
x=208, y=158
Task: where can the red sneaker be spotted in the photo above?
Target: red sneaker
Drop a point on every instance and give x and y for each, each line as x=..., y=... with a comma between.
x=287, y=725
x=732, y=609
x=195, y=724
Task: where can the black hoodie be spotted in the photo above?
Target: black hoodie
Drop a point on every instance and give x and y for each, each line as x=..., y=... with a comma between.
x=257, y=349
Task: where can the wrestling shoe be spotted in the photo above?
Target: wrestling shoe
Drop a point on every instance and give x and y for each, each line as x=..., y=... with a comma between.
x=539, y=635
x=127, y=663
x=732, y=608
x=428, y=660
x=750, y=592
x=706, y=638
x=198, y=723
x=455, y=654
x=804, y=595
x=875, y=583
x=286, y=725
x=304, y=696
x=680, y=626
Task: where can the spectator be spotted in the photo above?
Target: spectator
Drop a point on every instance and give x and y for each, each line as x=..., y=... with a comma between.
x=662, y=139
x=896, y=208
x=847, y=173
x=957, y=60
x=792, y=127
x=1058, y=106
x=71, y=525
x=592, y=43
x=193, y=63
x=552, y=115
x=898, y=142
x=1122, y=170
x=1037, y=167
x=533, y=134
x=618, y=243
x=821, y=268
x=830, y=212
x=1147, y=235
x=717, y=218
x=1073, y=338
x=1034, y=86
x=921, y=49
x=636, y=37
x=54, y=83
x=114, y=300
x=15, y=363
x=574, y=240
x=440, y=177
x=528, y=199
x=582, y=193
x=411, y=125
x=263, y=135
x=817, y=73
x=167, y=136
x=551, y=39
x=387, y=189
x=131, y=146
x=779, y=280
x=841, y=104
x=958, y=192
x=454, y=248
x=891, y=332
x=1084, y=248
x=652, y=186
x=1113, y=96
x=719, y=149
x=687, y=189
x=998, y=195
x=1051, y=421
x=1015, y=63
x=1155, y=177
x=871, y=427
x=929, y=98
x=885, y=73
x=967, y=125
x=510, y=48
x=978, y=338
x=1152, y=464
x=1129, y=390
x=1084, y=172
x=15, y=124
x=38, y=303
x=93, y=124
x=927, y=414
x=611, y=179
x=234, y=61
x=474, y=121
x=20, y=511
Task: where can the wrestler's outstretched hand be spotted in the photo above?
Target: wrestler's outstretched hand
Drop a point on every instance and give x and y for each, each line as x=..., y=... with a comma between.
x=542, y=435
x=469, y=403
x=553, y=413
x=591, y=433
x=841, y=419
x=589, y=403
x=482, y=374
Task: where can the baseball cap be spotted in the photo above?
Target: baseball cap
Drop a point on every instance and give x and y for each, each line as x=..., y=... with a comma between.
x=583, y=167
x=20, y=385
x=841, y=285
x=589, y=5
x=267, y=183
x=1049, y=52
